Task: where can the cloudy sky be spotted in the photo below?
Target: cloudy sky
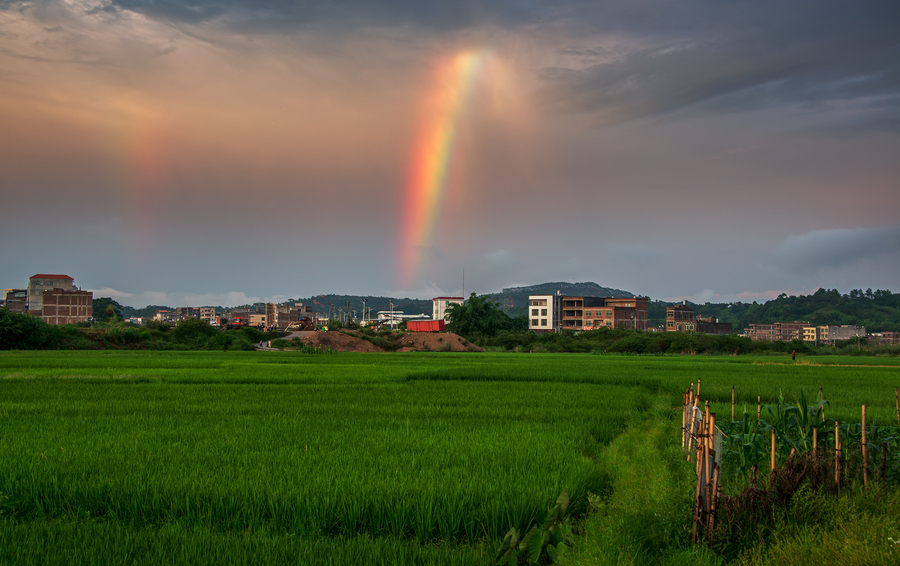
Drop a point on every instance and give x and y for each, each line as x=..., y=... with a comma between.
x=221, y=151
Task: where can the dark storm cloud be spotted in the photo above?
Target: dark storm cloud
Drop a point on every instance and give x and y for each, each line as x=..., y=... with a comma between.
x=741, y=56
x=675, y=56
x=827, y=249
x=277, y=15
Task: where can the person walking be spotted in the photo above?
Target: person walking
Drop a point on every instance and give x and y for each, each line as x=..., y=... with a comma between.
x=794, y=355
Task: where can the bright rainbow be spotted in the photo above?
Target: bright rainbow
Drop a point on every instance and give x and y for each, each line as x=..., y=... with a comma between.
x=431, y=158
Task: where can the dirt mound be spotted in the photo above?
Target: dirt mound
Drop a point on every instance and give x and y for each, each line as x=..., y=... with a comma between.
x=351, y=341
x=339, y=341
x=435, y=342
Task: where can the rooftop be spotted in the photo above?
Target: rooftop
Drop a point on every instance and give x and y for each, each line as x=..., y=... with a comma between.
x=50, y=276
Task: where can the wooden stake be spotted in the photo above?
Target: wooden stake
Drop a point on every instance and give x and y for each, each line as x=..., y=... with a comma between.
x=698, y=388
x=815, y=438
x=897, y=400
x=865, y=454
x=758, y=407
x=712, y=431
x=732, y=403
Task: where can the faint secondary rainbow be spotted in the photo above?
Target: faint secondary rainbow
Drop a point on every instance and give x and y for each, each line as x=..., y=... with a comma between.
x=431, y=157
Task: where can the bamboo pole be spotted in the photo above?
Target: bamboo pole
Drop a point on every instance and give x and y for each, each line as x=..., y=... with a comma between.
x=838, y=464
x=706, y=424
x=837, y=455
x=712, y=431
x=697, y=504
x=706, y=476
x=865, y=453
x=693, y=418
x=698, y=388
x=822, y=398
x=773, y=450
x=714, y=506
x=732, y=403
x=897, y=400
x=815, y=438
x=684, y=402
x=758, y=407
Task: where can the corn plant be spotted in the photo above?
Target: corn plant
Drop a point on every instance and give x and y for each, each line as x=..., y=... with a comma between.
x=541, y=543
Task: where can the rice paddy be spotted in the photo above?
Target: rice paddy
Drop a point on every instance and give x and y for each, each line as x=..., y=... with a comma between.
x=248, y=457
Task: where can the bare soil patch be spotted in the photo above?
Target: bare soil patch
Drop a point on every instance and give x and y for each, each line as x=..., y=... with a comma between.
x=351, y=341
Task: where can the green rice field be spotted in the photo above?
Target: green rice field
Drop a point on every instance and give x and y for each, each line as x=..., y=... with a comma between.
x=280, y=457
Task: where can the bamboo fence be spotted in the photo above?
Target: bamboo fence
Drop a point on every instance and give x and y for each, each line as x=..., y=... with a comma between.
x=703, y=441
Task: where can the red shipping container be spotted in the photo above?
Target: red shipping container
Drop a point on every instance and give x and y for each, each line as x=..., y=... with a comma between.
x=424, y=325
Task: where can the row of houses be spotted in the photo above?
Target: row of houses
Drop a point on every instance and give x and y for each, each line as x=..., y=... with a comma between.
x=553, y=313
x=55, y=299
x=825, y=334
x=51, y=297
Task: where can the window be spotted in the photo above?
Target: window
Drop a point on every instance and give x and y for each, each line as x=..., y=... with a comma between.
x=534, y=322
x=543, y=322
x=588, y=323
x=608, y=313
x=534, y=312
x=543, y=312
x=587, y=313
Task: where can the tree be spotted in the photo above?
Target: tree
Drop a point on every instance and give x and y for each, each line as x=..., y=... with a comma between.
x=477, y=315
x=106, y=309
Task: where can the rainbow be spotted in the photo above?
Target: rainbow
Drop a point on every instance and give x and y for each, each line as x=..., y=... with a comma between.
x=431, y=157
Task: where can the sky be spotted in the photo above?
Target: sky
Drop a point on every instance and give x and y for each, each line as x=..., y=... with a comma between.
x=228, y=151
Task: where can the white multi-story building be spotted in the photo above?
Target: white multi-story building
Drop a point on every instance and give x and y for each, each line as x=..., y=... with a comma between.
x=439, y=306
x=544, y=312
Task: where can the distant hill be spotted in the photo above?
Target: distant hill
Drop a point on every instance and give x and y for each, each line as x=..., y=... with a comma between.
x=514, y=300
x=876, y=310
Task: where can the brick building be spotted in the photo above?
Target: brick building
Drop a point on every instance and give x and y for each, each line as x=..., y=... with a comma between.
x=16, y=300
x=286, y=313
x=888, y=338
x=784, y=331
x=680, y=318
x=63, y=306
x=41, y=282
